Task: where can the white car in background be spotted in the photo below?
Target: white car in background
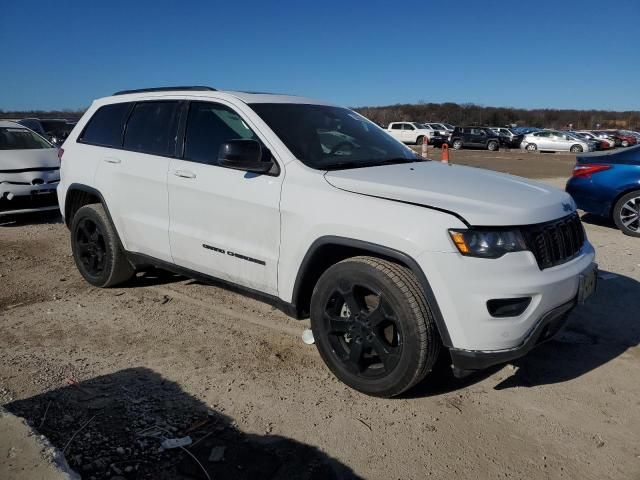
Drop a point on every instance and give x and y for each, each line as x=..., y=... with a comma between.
x=29, y=170
x=438, y=128
x=555, y=141
x=410, y=132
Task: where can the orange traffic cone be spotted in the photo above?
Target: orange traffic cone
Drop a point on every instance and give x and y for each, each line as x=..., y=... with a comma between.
x=445, y=153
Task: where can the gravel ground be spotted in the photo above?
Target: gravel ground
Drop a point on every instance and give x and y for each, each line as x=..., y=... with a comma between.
x=166, y=357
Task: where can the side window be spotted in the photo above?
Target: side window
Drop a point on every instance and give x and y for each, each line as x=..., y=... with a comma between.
x=209, y=125
x=152, y=128
x=106, y=125
x=396, y=126
x=408, y=126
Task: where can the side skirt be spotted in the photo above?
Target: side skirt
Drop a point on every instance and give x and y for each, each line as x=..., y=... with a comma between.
x=139, y=260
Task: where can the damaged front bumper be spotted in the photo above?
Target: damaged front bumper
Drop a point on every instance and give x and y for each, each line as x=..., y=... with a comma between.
x=28, y=190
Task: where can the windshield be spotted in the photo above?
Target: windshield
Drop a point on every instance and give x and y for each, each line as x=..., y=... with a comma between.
x=21, y=139
x=329, y=138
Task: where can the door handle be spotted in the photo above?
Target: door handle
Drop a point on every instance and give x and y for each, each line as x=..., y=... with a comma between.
x=112, y=160
x=184, y=174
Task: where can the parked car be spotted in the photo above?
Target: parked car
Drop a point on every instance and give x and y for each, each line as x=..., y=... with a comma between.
x=241, y=188
x=438, y=128
x=29, y=170
x=601, y=143
x=510, y=138
x=474, y=137
x=410, y=132
x=626, y=140
x=608, y=185
x=556, y=141
x=55, y=130
x=617, y=141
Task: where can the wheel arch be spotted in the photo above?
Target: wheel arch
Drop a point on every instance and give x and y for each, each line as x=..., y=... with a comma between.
x=620, y=194
x=328, y=250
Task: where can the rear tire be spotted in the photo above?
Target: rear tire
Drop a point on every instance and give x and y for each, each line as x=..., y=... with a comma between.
x=457, y=144
x=96, y=248
x=576, y=149
x=492, y=146
x=373, y=326
x=626, y=214
x=625, y=143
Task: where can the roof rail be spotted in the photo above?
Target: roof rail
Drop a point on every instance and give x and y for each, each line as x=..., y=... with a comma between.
x=166, y=89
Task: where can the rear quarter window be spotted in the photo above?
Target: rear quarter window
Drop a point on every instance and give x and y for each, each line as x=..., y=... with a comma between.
x=106, y=126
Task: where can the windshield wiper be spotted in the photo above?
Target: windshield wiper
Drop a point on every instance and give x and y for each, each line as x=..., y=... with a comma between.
x=376, y=163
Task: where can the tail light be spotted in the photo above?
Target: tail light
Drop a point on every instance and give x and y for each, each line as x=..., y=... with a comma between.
x=60, y=154
x=586, y=170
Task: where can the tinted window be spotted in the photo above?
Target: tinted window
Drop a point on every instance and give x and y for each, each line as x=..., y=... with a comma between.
x=105, y=127
x=21, y=139
x=209, y=125
x=396, y=126
x=408, y=126
x=152, y=128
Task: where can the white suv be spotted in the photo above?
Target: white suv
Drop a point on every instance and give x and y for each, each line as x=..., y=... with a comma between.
x=314, y=208
x=410, y=132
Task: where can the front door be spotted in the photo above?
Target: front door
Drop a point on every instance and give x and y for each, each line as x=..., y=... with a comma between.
x=222, y=222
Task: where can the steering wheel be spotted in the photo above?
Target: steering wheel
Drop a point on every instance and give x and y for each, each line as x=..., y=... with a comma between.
x=336, y=148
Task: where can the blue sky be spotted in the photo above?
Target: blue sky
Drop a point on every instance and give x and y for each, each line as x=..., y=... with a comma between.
x=557, y=54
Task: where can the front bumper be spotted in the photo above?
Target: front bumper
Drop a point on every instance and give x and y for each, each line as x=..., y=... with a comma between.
x=549, y=325
x=463, y=286
x=27, y=198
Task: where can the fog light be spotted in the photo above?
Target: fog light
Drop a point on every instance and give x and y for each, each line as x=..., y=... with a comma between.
x=508, y=307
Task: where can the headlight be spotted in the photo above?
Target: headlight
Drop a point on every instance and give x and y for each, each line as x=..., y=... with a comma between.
x=487, y=243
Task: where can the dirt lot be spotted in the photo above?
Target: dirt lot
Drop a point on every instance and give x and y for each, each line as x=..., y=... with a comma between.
x=167, y=357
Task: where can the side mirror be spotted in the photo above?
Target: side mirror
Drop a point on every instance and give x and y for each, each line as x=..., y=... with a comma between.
x=243, y=155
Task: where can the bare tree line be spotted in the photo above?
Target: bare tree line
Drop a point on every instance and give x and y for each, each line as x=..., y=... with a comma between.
x=66, y=114
x=454, y=113
x=472, y=114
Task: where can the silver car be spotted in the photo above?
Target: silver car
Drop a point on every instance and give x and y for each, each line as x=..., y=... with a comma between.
x=556, y=141
x=29, y=170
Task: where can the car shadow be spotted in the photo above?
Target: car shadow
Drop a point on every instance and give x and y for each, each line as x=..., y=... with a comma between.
x=596, y=333
x=592, y=219
x=117, y=424
x=47, y=217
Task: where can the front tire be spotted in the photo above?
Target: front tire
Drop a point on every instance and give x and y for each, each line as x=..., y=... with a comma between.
x=625, y=143
x=96, y=248
x=492, y=146
x=420, y=140
x=532, y=147
x=457, y=144
x=576, y=149
x=626, y=214
x=373, y=326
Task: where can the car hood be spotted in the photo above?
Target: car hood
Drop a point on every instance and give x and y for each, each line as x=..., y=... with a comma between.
x=28, y=159
x=481, y=197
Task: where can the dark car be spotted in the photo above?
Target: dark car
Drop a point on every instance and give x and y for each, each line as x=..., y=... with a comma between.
x=54, y=130
x=475, y=137
x=33, y=124
x=608, y=185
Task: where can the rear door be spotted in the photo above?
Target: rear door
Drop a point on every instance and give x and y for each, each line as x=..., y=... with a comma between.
x=223, y=222
x=408, y=133
x=396, y=131
x=132, y=176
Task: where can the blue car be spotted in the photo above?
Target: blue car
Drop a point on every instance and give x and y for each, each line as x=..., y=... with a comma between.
x=608, y=185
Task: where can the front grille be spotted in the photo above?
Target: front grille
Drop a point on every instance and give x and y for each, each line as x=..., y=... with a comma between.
x=554, y=243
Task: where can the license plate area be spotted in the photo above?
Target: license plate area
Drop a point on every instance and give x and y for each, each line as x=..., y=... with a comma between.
x=588, y=283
